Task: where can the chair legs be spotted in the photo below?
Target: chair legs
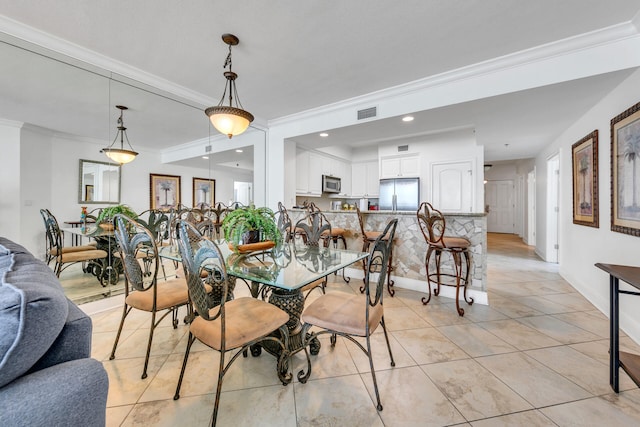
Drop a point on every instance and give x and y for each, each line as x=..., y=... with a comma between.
x=458, y=269
x=370, y=355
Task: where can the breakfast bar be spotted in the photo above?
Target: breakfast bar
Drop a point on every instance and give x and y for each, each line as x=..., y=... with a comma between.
x=410, y=248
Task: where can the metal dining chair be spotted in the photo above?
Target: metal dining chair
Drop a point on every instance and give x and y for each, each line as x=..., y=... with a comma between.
x=234, y=325
x=311, y=228
x=143, y=290
x=354, y=315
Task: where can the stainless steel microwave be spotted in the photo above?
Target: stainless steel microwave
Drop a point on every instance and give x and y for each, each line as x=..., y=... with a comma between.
x=330, y=184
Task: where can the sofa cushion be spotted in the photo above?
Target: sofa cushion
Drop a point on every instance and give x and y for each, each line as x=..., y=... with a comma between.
x=33, y=310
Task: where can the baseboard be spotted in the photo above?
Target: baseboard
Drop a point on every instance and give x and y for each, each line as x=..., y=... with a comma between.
x=95, y=307
x=479, y=297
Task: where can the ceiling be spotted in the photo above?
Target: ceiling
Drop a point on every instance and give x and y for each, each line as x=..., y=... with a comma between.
x=293, y=56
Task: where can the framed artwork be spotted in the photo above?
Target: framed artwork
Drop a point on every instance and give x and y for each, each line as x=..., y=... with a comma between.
x=164, y=191
x=584, y=159
x=204, y=192
x=625, y=172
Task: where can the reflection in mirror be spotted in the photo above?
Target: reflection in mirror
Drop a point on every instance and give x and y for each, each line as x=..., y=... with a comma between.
x=99, y=182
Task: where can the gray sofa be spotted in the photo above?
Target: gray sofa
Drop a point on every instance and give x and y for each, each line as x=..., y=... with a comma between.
x=46, y=374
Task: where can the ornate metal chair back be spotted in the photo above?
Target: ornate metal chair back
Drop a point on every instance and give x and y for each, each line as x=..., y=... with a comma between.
x=432, y=224
x=361, y=222
x=284, y=222
x=313, y=226
x=198, y=255
x=378, y=262
x=53, y=234
x=132, y=238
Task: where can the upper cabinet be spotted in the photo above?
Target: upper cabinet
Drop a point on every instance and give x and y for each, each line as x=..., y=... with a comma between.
x=400, y=166
x=364, y=179
x=310, y=166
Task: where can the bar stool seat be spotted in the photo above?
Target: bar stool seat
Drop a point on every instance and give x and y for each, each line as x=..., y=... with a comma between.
x=433, y=225
x=369, y=237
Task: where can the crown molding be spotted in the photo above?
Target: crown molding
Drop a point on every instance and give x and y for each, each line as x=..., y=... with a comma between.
x=11, y=123
x=105, y=64
x=603, y=36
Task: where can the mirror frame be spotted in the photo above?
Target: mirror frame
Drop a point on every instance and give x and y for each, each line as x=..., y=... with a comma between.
x=80, y=182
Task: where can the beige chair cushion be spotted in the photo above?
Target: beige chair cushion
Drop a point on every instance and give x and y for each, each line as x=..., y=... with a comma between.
x=342, y=312
x=335, y=232
x=68, y=249
x=83, y=255
x=246, y=320
x=170, y=293
x=454, y=243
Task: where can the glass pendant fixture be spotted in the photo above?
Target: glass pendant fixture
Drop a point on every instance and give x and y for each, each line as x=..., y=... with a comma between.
x=120, y=155
x=229, y=119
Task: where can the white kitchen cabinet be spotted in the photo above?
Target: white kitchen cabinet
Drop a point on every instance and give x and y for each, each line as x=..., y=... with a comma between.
x=308, y=173
x=364, y=179
x=400, y=167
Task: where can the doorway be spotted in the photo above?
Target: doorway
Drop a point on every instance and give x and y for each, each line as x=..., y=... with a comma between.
x=553, y=207
x=531, y=208
x=499, y=203
x=243, y=192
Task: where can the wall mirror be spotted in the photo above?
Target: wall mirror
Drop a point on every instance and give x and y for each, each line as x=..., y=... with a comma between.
x=99, y=182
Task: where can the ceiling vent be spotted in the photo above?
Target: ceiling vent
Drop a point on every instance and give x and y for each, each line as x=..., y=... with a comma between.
x=207, y=149
x=402, y=148
x=367, y=113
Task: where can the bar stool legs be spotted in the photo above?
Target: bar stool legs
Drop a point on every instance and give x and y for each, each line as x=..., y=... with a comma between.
x=334, y=238
x=459, y=280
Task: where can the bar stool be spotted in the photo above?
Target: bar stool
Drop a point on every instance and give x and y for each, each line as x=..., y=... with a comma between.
x=433, y=225
x=333, y=235
x=369, y=237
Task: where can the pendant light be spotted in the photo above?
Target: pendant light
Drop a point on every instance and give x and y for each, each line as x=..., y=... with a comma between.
x=120, y=155
x=229, y=119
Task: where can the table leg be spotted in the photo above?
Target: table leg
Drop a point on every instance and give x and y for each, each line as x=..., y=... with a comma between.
x=292, y=302
x=614, y=334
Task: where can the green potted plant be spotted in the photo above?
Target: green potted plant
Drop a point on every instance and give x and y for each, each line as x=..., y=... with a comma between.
x=106, y=214
x=250, y=225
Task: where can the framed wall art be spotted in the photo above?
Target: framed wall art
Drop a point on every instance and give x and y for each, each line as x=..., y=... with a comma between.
x=625, y=172
x=584, y=159
x=204, y=192
x=164, y=191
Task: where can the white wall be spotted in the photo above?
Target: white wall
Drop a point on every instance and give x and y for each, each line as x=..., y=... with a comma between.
x=10, y=179
x=581, y=247
x=452, y=146
x=47, y=177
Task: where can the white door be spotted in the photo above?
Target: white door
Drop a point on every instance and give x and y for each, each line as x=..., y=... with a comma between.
x=243, y=192
x=452, y=186
x=498, y=196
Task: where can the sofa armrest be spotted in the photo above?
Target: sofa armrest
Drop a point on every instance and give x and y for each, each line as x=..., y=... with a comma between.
x=73, y=342
x=70, y=394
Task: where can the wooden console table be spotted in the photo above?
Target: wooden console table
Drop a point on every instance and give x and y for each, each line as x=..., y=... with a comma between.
x=620, y=359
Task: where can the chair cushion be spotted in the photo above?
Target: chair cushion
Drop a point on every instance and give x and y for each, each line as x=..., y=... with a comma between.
x=33, y=310
x=335, y=231
x=68, y=249
x=341, y=312
x=246, y=320
x=83, y=255
x=453, y=243
x=170, y=293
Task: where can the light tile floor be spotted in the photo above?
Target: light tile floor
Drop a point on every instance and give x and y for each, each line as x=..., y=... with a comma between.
x=536, y=356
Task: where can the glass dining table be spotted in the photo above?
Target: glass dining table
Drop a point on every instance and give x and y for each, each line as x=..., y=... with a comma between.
x=280, y=274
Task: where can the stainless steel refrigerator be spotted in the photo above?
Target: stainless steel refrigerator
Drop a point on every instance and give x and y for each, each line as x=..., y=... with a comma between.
x=399, y=194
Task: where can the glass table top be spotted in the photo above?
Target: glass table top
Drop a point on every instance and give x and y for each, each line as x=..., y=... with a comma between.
x=288, y=266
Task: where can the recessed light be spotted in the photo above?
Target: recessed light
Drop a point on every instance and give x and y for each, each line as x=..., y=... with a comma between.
x=238, y=151
x=407, y=119
x=324, y=134
x=205, y=157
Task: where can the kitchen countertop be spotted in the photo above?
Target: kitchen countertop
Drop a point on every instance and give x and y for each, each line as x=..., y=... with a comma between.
x=378, y=212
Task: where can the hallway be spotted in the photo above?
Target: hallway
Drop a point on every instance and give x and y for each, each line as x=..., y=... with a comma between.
x=537, y=356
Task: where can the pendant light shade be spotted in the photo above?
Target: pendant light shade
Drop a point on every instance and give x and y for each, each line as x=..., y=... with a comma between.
x=120, y=155
x=229, y=119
